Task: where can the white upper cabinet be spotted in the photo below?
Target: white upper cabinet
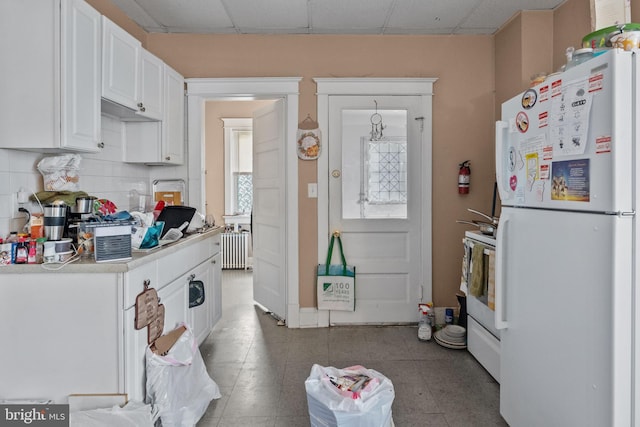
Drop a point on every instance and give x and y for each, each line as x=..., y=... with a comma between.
x=173, y=124
x=151, y=86
x=51, y=75
x=160, y=143
x=120, y=65
x=131, y=76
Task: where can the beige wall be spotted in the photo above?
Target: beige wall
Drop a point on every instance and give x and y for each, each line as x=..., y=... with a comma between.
x=475, y=73
x=462, y=122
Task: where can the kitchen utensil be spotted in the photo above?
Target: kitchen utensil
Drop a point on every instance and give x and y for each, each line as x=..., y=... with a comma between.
x=494, y=220
x=484, y=227
x=83, y=205
x=175, y=233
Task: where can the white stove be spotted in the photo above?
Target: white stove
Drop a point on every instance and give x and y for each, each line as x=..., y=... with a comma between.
x=483, y=339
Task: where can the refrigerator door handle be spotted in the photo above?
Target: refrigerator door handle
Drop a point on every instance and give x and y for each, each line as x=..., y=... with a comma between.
x=501, y=128
x=501, y=250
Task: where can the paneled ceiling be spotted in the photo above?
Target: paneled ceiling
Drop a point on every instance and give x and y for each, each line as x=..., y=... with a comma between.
x=327, y=16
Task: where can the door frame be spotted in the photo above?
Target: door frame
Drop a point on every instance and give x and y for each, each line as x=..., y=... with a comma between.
x=345, y=86
x=200, y=90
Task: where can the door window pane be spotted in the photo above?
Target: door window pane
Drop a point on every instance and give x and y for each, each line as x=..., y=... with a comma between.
x=374, y=172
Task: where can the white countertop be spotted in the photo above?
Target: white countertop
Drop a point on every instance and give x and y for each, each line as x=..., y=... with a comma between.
x=88, y=265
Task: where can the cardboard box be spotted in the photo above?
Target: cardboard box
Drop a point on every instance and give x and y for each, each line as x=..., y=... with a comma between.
x=605, y=13
x=162, y=345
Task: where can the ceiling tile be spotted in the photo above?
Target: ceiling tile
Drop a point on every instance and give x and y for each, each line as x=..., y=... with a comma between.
x=494, y=13
x=276, y=14
x=349, y=15
x=431, y=14
x=327, y=16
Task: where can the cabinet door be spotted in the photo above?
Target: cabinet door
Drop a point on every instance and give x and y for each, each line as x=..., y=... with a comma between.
x=151, y=86
x=135, y=344
x=50, y=54
x=175, y=298
x=199, y=316
x=120, y=65
x=81, y=76
x=173, y=125
x=216, y=302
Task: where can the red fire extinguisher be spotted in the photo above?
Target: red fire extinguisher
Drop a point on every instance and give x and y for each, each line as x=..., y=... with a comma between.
x=464, y=177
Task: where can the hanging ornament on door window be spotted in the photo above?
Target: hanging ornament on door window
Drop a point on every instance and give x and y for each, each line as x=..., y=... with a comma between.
x=376, y=125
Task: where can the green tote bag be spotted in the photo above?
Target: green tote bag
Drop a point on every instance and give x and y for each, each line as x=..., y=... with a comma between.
x=336, y=283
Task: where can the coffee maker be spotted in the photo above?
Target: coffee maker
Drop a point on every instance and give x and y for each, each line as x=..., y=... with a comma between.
x=81, y=212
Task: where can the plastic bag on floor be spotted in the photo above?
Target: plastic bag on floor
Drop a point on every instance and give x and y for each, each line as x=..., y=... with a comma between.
x=178, y=385
x=353, y=397
x=133, y=414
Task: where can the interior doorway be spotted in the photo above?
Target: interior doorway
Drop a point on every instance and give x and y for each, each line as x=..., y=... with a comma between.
x=201, y=91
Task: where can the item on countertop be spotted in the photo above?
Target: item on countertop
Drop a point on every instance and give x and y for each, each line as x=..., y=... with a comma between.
x=174, y=217
x=51, y=197
x=5, y=253
x=104, y=207
x=55, y=218
x=83, y=204
x=22, y=251
x=36, y=225
x=60, y=173
x=31, y=257
x=159, y=207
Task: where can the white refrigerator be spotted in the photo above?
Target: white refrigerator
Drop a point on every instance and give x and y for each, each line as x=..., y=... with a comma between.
x=567, y=248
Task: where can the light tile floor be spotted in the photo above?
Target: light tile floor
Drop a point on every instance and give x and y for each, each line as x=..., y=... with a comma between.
x=261, y=368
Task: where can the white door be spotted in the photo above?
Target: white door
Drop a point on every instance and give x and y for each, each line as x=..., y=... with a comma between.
x=375, y=201
x=269, y=209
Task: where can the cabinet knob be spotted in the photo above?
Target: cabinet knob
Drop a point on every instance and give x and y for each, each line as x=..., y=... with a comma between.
x=100, y=144
x=213, y=261
x=140, y=104
x=167, y=158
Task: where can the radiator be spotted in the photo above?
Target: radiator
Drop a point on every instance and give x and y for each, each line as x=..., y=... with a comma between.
x=235, y=250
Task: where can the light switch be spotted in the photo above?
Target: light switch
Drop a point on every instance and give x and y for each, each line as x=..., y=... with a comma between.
x=312, y=190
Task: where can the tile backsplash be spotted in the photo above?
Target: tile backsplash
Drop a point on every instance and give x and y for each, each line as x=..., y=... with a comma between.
x=103, y=175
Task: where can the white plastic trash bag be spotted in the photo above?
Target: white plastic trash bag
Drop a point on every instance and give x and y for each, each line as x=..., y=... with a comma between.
x=60, y=173
x=178, y=385
x=133, y=414
x=349, y=397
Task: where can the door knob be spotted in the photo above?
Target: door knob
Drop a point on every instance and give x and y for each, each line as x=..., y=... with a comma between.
x=335, y=173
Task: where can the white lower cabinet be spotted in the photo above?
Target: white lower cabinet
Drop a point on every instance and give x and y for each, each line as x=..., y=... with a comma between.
x=174, y=297
x=201, y=317
x=74, y=332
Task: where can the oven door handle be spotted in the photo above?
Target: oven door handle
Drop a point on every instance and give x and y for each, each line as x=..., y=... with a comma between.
x=500, y=267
